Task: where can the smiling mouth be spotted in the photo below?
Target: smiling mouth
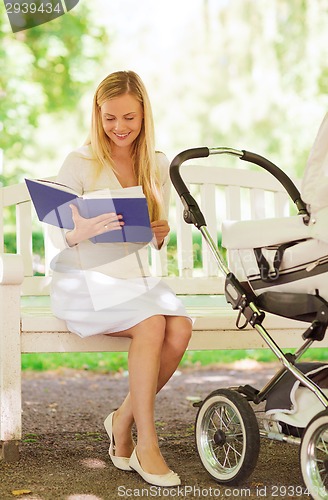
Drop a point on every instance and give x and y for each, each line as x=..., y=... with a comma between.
x=121, y=136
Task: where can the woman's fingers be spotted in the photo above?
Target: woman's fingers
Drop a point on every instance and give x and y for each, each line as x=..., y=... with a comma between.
x=160, y=224
x=111, y=221
x=160, y=230
x=160, y=227
x=75, y=212
x=87, y=228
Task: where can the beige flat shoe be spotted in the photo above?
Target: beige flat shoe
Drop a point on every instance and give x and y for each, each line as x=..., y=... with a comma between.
x=121, y=463
x=169, y=479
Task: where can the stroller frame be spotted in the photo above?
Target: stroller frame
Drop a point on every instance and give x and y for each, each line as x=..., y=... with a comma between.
x=249, y=306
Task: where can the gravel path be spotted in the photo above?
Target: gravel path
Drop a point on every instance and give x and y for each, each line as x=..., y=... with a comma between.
x=64, y=451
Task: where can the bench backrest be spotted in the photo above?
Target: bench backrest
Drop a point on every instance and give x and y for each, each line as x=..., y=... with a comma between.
x=222, y=193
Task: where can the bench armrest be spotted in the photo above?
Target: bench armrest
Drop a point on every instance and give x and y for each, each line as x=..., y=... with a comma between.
x=11, y=269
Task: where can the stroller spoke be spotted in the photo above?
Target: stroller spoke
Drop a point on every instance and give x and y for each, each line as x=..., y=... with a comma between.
x=222, y=420
x=226, y=456
x=323, y=446
x=237, y=455
x=212, y=427
x=236, y=452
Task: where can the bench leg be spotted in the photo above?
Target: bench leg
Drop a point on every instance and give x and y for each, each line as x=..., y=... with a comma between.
x=9, y=451
x=10, y=372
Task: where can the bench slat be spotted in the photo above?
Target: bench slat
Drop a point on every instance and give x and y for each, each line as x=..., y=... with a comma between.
x=185, y=256
x=24, y=235
x=286, y=338
x=208, y=204
x=198, y=174
x=233, y=203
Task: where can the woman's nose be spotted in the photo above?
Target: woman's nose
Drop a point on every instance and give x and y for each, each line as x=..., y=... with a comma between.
x=118, y=125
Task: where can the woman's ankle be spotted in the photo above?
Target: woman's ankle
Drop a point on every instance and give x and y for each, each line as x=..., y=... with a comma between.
x=123, y=439
x=125, y=421
x=151, y=459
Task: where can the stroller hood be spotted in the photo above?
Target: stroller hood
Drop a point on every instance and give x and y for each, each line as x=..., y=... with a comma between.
x=315, y=180
x=314, y=192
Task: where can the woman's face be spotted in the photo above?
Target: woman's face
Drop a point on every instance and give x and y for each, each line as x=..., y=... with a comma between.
x=122, y=119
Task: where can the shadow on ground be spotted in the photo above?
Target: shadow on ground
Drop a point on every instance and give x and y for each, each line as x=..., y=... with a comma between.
x=64, y=451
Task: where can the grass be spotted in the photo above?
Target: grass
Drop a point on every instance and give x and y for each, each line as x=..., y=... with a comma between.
x=102, y=362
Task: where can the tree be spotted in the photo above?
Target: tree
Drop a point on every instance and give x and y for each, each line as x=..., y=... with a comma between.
x=43, y=70
x=252, y=75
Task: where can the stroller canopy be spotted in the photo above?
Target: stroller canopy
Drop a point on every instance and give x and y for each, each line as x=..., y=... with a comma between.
x=315, y=181
x=314, y=193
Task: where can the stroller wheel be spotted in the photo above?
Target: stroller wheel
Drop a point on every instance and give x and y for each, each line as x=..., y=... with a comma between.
x=314, y=456
x=227, y=436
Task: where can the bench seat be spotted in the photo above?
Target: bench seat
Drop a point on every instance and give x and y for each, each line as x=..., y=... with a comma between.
x=214, y=327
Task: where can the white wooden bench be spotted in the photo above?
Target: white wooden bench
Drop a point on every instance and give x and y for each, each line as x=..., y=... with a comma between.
x=28, y=326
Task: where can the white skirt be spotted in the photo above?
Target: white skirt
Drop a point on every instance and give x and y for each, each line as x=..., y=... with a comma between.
x=93, y=303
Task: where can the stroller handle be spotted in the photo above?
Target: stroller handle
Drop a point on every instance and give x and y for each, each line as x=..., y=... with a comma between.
x=188, y=154
x=192, y=213
x=204, y=152
x=280, y=176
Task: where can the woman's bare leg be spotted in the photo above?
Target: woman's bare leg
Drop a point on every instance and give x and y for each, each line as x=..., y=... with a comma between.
x=177, y=332
x=144, y=363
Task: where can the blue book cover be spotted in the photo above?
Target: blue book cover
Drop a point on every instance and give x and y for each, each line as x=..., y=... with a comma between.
x=51, y=201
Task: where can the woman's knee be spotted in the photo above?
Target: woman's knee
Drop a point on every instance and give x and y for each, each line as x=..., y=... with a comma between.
x=178, y=331
x=152, y=328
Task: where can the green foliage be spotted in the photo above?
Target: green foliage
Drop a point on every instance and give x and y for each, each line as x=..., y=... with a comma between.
x=10, y=242
x=209, y=358
x=99, y=361
x=102, y=362
x=45, y=69
x=37, y=243
x=66, y=53
x=251, y=75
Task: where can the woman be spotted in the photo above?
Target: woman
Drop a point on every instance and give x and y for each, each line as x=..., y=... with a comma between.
x=106, y=288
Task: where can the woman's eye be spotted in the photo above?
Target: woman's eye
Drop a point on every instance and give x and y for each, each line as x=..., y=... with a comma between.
x=130, y=118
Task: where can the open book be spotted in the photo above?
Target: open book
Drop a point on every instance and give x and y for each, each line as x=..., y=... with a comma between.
x=51, y=201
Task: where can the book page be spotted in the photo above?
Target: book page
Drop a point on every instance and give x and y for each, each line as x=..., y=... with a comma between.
x=130, y=192
x=55, y=185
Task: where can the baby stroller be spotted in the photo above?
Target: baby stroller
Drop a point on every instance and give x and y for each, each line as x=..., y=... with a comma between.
x=277, y=266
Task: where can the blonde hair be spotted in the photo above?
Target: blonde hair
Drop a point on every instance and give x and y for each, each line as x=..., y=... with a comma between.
x=143, y=152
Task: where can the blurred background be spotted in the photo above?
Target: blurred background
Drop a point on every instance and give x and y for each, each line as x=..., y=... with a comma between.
x=246, y=74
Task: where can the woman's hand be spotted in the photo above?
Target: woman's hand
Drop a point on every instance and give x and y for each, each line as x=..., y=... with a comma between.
x=87, y=228
x=160, y=229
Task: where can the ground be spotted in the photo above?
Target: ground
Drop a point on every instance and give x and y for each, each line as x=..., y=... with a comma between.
x=64, y=451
